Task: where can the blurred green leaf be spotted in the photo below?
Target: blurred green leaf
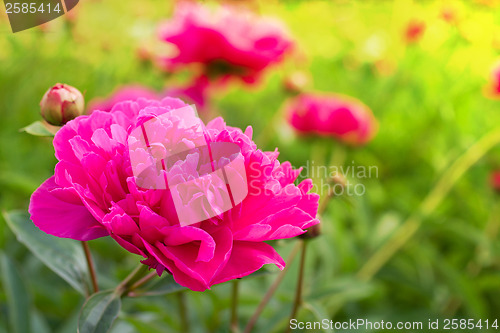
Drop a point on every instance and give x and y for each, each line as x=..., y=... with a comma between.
x=319, y=312
x=40, y=128
x=70, y=323
x=63, y=256
x=346, y=289
x=144, y=323
x=99, y=312
x=123, y=327
x=38, y=323
x=17, y=296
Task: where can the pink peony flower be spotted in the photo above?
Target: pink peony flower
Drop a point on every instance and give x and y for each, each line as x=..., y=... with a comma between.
x=341, y=117
x=94, y=193
x=225, y=41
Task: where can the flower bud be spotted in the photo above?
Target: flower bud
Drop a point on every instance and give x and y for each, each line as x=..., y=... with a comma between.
x=311, y=232
x=61, y=103
x=297, y=82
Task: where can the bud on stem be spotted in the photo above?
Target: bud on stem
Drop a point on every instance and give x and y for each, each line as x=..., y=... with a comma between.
x=61, y=103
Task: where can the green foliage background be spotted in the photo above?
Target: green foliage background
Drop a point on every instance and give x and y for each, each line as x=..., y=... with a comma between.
x=428, y=99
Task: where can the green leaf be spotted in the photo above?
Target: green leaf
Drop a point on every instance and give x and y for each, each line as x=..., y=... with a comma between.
x=342, y=290
x=39, y=323
x=63, y=256
x=319, y=313
x=123, y=327
x=99, y=312
x=17, y=296
x=40, y=128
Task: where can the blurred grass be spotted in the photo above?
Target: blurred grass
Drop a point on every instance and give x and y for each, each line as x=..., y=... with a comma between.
x=427, y=98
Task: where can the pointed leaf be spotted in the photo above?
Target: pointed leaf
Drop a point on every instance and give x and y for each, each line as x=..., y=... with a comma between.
x=63, y=256
x=99, y=312
x=40, y=128
x=319, y=313
x=17, y=296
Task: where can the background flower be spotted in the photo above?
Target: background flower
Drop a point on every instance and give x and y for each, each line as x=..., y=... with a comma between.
x=341, y=117
x=225, y=41
x=414, y=31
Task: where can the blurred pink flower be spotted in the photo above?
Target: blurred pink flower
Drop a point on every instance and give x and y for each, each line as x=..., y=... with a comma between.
x=341, y=117
x=414, y=31
x=125, y=93
x=93, y=193
x=495, y=180
x=449, y=14
x=194, y=92
x=225, y=41
x=492, y=89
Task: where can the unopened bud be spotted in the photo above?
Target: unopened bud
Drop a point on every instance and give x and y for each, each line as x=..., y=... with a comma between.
x=312, y=232
x=297, y=82
x=61, y=103
x=339, y=179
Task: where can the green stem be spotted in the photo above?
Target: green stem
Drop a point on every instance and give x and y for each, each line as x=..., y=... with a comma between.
x=433, y=199
x=90, y=265
x=142, y=281
x=300, y=282
x=134, y=276
x=234, y=307
x=181, y=298
x=272, y=289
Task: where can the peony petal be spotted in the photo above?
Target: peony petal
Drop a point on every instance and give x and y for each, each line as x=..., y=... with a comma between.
x=60, y=212
x=246, y=258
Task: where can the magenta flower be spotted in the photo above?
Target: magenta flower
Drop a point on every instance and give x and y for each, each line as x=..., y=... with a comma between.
x=94, y=193
x=341, y=117
x=225, y=41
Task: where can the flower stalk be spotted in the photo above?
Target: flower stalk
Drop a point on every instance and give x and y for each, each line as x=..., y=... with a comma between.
x=136, y=275
x=181, y=298
x=91, y=267
x=272, y=289
x=300, y=281
x=234, y=307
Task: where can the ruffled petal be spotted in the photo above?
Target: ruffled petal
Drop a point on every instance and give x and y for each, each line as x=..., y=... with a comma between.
x=60, y=212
